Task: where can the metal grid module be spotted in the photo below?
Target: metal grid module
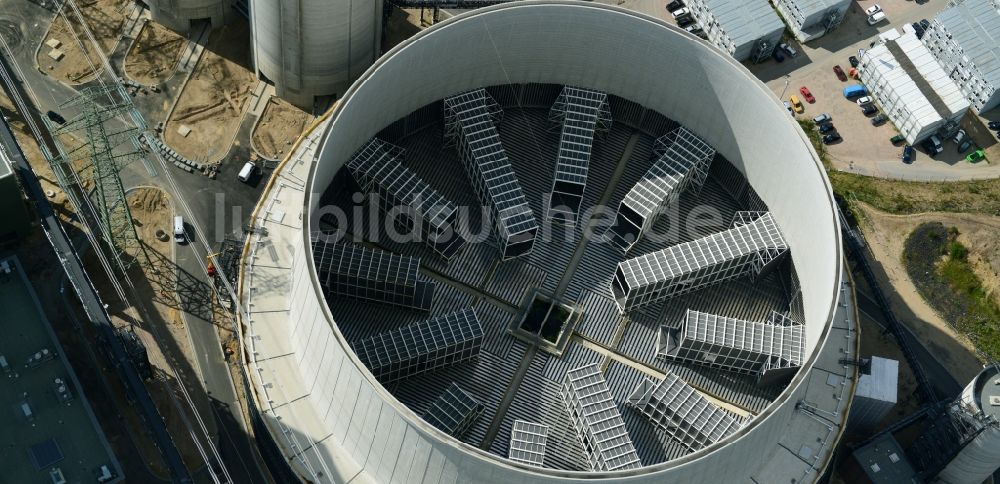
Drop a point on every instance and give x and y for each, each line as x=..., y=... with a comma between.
x=412, y=202
x=422, y=347
x=470, y=120
x=682, y=162
x=527, y=442
x=753, y=245
x=598, y=423
x=352, y=270
x=770, y=348
x=454, y=411
x=581, y=114
x=683, y=413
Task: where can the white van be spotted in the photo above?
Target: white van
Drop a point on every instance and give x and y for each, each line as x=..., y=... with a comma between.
x=179, y=236
x=247, y=171
x=876, y=18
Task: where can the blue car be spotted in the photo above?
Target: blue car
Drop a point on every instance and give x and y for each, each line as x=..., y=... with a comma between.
x=826, y=127
x=908, y=153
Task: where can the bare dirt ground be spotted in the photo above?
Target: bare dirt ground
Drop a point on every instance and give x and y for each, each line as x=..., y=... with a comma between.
x=886, y=235
x=105, y=18
x=158, y=323
x=154, y=55
x=403, y=23
x=279, y=126
x=212, y=102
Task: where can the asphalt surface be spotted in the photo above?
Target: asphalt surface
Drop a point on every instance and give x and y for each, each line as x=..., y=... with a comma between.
x=214, y=208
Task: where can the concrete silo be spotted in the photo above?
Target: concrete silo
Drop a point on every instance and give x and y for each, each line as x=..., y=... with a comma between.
x=180, y=14
x=311, y=48
x=980, y=457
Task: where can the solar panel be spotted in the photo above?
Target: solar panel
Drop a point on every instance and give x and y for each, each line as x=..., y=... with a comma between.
x=682, y=162
x=581, y=113
x=454, y=411
x=527, y=442
x=752, y=246
x=470, y=120
x=377, y=168
x=677, y=409
x=352, y=270
x=422, y=347
x=749, y=347
x=598, y=423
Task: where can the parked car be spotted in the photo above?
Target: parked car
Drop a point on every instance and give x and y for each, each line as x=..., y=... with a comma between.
x=874, y=9
x=897, y=139
x=831, y=138
x=822, y=118
x=995, y=125
x=975, y=156
x=56, y=117
x=878, y=17
x=868, y=110
x=854, y=90
x=796, y=104
x=932, y=145
x=854, y=61
x=675, y=5
x=685, y=21
x=778, y=56
x=908, y=154
x=840, y=73
x=877, y=120
x=694, y=29
x=681, y=12
x=826, y=127
x=960, y=136
x=864, y=100
x=807, y=95
x=788, y=106
x=964, y=146
x=787, y=48
x=925, y=24
x=919, y=30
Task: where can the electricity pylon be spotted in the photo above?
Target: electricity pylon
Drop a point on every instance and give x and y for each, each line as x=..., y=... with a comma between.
x=106, y=150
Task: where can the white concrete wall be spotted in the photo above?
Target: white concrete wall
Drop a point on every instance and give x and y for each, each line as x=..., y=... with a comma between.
x=312, y=48
x=598, y=47
x=178, y=14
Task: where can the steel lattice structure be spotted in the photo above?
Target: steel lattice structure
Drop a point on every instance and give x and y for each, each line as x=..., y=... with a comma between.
x=579, y=114
x=105, y=162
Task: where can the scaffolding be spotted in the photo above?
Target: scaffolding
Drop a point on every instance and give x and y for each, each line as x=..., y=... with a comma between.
x=752, y=247
x=771, y=350
x=454, y=412
x=580, y=114
x=527, y=443
x=597, y=421
x=470, y=125
x=422, y=347
x=351, y=270
x=401, y=194
x=682, y=162
x=677, y=409
x=106, y=154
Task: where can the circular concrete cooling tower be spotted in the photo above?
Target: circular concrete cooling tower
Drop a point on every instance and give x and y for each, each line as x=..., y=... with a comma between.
x=335, y=421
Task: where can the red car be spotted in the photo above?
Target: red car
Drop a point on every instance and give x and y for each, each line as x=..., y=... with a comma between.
x=806, y=94
x=840, y=73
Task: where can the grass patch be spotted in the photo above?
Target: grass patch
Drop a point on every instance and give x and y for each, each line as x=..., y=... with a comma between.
x=939, y=266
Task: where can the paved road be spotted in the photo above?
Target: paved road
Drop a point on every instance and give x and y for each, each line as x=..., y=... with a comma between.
x=85, y=290
x=216, y=207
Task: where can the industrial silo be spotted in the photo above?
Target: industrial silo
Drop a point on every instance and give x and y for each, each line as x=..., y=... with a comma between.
x=311, y=48
x=980, y=457
x=180, y=14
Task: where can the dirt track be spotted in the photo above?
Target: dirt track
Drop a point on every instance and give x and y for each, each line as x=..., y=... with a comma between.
x=105, y=18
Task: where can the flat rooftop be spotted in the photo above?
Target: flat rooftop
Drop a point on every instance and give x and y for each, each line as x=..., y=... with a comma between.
x=975, y=25
x=884, y=461
x=60, y=432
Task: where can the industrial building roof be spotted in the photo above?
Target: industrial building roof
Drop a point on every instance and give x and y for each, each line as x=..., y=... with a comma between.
x=884, y=461
x=881, y=382
x=745, y=20
x=809, y=7
x=975, y=26
x=912, y=73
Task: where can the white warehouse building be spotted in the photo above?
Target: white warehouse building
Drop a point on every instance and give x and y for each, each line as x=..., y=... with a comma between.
x=912, y=88
x=747, y=29
x=811, y=19
x=965, y=39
